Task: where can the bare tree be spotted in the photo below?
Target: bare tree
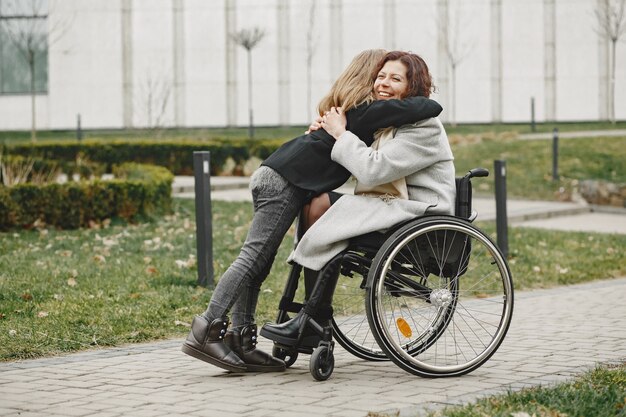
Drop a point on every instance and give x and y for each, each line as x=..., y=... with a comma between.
x=248, y=39
x=457, y=45
x=310, y=52
x=155, y=92
x=611, y=20
x=28, y=28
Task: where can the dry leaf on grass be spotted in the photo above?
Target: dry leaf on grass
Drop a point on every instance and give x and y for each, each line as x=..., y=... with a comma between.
x=99, y=259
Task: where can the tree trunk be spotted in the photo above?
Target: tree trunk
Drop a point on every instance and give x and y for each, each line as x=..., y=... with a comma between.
x=308, y=86
x=309, y=59
x=251, y=126
x=453, y=91
x=31, y=67
x=612, y=82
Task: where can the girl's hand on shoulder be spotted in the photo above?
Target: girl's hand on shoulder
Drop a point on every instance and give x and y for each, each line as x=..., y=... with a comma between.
x=335, y=122
x=315, y=125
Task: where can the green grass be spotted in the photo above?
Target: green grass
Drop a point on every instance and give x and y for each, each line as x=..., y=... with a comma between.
x=63, y=291
x=547, y=258
x=598, y=393
x=70, y=290
x=529, y=164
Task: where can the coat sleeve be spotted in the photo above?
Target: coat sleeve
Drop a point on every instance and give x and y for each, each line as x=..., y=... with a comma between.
x=413, y=148
x=364, y=120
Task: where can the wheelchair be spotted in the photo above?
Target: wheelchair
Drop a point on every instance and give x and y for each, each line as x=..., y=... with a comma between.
x=434, y=295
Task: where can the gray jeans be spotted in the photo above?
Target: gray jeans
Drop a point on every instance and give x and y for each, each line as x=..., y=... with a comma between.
x=276, y=204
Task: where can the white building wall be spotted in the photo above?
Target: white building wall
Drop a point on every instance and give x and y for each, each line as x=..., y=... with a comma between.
x=473, y=74
x=205, y=66
x=86, y=70
x=15, y=112
x=523, y=60
x=152, y=62
x=620, y=80
x=577, y=69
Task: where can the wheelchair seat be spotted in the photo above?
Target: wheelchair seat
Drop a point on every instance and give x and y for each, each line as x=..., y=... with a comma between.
x=462, y=208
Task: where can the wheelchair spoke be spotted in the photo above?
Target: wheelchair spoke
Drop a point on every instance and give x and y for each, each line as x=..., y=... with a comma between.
x=350, y=326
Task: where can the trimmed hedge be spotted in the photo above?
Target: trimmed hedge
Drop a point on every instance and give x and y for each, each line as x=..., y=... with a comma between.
x=83, y=168
x=138, y=191
x=176, y=156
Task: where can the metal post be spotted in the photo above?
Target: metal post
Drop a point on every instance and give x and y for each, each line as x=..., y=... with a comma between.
x=533, y=127
x=555, y=154
x=79, y=131
x=501, y=216
x=204, y=225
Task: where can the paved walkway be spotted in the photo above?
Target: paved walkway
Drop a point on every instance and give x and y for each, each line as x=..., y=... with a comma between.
x=575, y=135
x=554, y=335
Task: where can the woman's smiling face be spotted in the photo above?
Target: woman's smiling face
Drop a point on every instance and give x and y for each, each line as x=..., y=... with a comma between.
x=391, y=81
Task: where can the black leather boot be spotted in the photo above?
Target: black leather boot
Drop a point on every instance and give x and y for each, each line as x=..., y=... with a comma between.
x=243, y=343
x=318, y=306
x=206, y=342
x=285, y=333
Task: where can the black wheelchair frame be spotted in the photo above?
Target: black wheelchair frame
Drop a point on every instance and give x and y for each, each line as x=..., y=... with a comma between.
x=416, y=279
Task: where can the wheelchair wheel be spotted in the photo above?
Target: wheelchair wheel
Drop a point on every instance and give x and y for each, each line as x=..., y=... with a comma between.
x=350, y=327
x=439, y=297
x=322, y=363
x=288, y=356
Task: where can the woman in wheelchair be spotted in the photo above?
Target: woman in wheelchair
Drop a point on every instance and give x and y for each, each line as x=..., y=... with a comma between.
x=409, y=175
x=298, y=170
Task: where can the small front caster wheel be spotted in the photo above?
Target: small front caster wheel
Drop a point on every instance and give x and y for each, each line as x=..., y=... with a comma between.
x=322, y=363
x=288, y=356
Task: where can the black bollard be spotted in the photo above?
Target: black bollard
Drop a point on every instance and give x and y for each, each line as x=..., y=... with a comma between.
x=204, y=225
x=501, y=216
x=79, y=131
x=533, y=127
x=555, y=154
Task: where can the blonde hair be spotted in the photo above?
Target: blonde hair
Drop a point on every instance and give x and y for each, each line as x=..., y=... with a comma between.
x=355, y=85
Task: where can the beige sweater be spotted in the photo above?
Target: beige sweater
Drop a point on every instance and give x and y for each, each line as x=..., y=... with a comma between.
x=419, y=152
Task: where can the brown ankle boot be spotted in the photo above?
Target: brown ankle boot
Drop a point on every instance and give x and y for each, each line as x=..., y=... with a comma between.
x=243, y=343
x=206, y=342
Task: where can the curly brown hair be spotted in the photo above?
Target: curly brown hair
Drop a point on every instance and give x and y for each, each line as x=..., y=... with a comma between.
x=419, y=79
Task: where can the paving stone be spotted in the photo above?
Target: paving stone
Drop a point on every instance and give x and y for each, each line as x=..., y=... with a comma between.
x=14, y=413
x=70, y=411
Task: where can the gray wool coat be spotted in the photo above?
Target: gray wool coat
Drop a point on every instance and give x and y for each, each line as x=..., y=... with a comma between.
x=419, y=152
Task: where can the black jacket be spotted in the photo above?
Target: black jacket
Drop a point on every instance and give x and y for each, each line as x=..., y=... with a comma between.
x=305, y=161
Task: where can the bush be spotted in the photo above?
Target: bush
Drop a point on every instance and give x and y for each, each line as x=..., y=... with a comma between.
x=175, y=156
x=43, y=170
x=8, y=208
x=138, y=191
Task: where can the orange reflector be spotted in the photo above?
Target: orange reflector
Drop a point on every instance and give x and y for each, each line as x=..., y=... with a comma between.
x=404, y=327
